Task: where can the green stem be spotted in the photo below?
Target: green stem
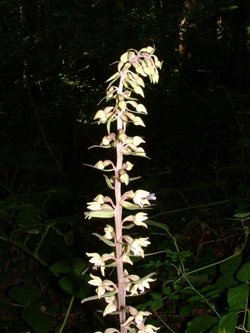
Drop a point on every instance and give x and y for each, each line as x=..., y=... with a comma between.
x=24, y=249
x=41, y=240
x=67, y=314
x=246, y=314
x=201, y=296
x=174, y=211
x=182, y=270
x=210, y=265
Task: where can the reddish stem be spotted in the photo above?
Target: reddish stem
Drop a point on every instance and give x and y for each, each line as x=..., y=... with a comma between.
x=118, y=224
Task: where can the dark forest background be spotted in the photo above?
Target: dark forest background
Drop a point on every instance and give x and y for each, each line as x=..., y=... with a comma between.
x=54, y=59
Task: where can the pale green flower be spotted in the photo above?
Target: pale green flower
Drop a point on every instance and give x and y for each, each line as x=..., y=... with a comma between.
x=136, y=288
x=137, y=140
x=139, y=218
x=99, y=261
x=109, y=330
x=102, y=285
x=136, y=317
x=109, y=232
x=140, y=197
x=135, y=245
x=127, y=259
x=124, y=177
x=128, y=166
x=99, y=198
x=112, y=305
x=94, y=205
x=101, y=116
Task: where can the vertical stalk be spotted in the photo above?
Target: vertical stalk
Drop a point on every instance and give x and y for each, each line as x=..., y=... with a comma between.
x=118, y=241
x=118, y=223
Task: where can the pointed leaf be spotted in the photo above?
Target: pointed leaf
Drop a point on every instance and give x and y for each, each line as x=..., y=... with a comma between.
x=230, y=266
x=200, y=324
x=129, y=205
x=72, y=265
x=227, y=323
x=108, y=182
x=75, y=285
x=214, y=329
x=39, y=321
x=113, y=77
x=158, y=225
x=244, y=272
x=25, y=294
x=105, y=240
x=102, y=214
x=237, y=296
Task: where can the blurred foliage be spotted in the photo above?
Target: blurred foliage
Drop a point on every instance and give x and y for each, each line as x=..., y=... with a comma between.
x=55, y=57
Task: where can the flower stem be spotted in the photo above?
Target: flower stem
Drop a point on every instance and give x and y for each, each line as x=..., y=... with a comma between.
x=118, y=226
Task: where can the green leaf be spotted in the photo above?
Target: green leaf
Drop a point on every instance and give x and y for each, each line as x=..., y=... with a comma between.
x=130, y=206
x=195, y=298
x=166, y=291
x=244, y=272
x=214, y=329
x=105, y=240
x=155, y=295
x=200, y=324
x=156, y=305
x=242, y=216
x=186, y=310
x=158, y=225
x=108, y=182
x=230, y=266
x=25, y=294
x=224, y=282
x=102, y=214
x=227, y=323
x=114, y=77
x=237, y=296
x=39, y=321
x=75, y=285
x=232, y=7
x=74, y=265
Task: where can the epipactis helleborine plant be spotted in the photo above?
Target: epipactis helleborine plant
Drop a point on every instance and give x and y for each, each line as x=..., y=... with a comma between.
x=125, y=109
